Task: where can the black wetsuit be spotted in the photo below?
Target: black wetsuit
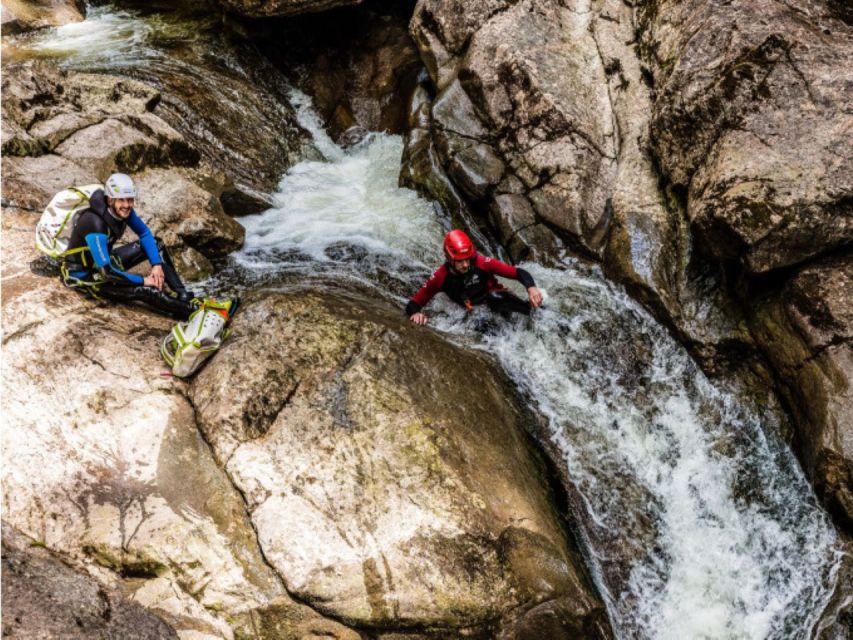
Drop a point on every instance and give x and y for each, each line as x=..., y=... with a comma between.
x=92, y=264
x=476, y=286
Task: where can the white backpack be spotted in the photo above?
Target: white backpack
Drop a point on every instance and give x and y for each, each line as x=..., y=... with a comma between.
x=53, y=230
x=186, y=347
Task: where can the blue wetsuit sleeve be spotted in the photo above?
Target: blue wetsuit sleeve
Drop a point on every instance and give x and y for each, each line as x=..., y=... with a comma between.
x=97, y=243
x=146, y=238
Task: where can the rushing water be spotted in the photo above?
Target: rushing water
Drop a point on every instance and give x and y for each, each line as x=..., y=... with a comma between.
x=699, y=523
x=697, y=520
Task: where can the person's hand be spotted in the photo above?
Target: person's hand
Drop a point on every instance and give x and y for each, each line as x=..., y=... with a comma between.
x=535, y=297
x=418, y=318
x=156, y=278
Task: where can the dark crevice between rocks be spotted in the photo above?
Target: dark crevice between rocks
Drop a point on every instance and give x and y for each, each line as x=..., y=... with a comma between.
x=358, y=63
x=610, y=67
x=841, y=9
x=759, y=285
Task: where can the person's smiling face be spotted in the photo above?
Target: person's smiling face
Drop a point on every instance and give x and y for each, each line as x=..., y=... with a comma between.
x=121, y=206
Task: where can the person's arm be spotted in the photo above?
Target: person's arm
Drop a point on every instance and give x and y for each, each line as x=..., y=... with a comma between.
x=98, y=247
x=146, y=238
x=424, y=295
x=504, y=270
x=156, y=278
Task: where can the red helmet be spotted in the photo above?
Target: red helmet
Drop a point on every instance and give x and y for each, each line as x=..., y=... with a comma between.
x=458, y=246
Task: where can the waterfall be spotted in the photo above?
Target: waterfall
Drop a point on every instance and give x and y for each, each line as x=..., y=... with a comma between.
x=697, y=519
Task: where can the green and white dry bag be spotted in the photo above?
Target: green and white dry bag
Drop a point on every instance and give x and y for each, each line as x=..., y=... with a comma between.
x=189, y=344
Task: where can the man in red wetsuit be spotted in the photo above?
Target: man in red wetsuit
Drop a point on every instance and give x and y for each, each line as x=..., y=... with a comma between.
x=469, y=279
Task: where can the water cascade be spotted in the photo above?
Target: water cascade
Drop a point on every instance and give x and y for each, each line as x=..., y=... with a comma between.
x=698, y=521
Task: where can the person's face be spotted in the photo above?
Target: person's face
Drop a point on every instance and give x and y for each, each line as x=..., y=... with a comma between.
x=461, y=266
x=121, y=206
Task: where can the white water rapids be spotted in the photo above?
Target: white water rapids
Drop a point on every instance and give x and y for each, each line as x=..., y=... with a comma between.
x=694, y=493
x=697, y=521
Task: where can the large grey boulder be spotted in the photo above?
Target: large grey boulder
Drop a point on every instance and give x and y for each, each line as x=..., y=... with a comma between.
x=751, y=120
x=386, y=486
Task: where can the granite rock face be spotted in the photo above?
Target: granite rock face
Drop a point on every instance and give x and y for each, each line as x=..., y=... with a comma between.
x=752, y=121
x=64, y=128
x=19, y=16
x=806, y=329
x=537, y=125
x=506, y=121
x=378, y=492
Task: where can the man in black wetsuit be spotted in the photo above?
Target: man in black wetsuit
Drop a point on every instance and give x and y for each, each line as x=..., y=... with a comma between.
x=91, y=264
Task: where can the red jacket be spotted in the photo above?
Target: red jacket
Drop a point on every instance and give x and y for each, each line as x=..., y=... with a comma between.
x=471, y=287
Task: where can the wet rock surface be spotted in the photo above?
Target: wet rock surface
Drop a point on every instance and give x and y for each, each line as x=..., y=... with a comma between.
x=375, y=490
x=65, y=128
x=231, y=103
x=806, y=329
x=19, y=16
x=212, y=86
x=358, y=64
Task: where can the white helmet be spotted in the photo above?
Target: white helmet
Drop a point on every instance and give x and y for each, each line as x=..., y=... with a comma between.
x=119, y=185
